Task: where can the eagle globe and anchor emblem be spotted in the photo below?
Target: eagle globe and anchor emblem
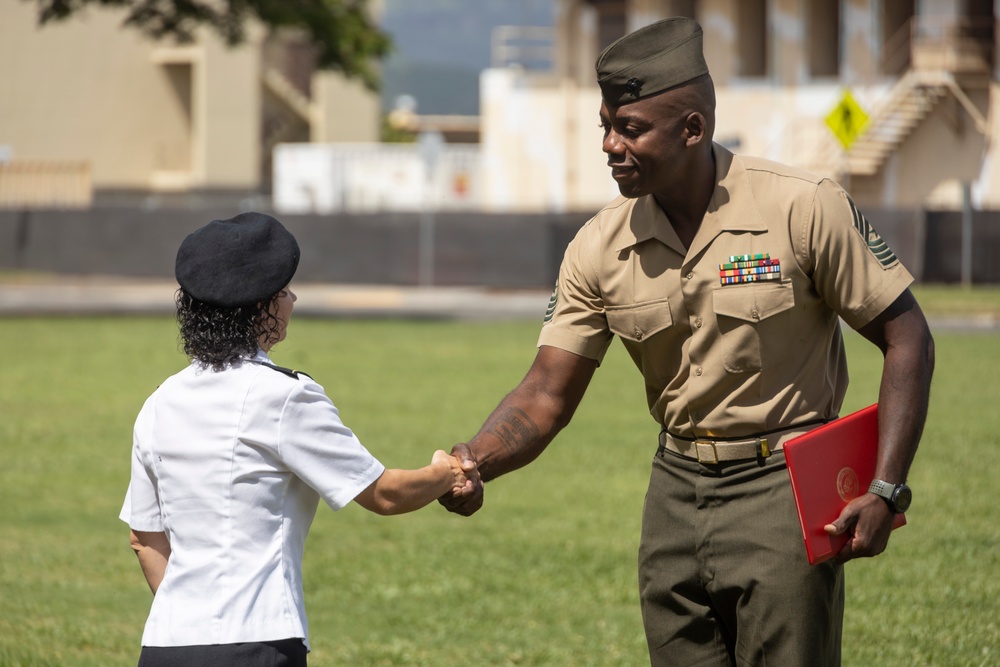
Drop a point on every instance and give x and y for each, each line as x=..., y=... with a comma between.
x=848, y=486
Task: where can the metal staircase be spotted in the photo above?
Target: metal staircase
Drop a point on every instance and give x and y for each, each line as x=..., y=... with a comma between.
x=909, y=102
x=284, y=90
x=936, y=49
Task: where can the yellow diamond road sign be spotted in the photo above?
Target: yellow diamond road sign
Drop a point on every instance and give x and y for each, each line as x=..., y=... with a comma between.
x=847, y=120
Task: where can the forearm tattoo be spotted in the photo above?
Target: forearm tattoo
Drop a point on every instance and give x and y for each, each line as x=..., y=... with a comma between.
x=514, y=429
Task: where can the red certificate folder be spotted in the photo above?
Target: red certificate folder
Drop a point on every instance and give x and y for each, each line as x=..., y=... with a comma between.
x=830, y=466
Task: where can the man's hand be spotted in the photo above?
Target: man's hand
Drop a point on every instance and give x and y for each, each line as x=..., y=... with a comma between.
x=467, y=501
x=867, y=521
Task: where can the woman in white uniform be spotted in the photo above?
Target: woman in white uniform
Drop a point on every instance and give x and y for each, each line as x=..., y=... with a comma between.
x=231, y=456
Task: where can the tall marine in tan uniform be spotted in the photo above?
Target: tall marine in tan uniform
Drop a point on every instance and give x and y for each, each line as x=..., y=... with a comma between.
x=726, y=278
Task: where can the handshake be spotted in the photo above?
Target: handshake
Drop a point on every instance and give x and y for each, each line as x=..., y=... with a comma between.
x=466, y=493
x=452, y=479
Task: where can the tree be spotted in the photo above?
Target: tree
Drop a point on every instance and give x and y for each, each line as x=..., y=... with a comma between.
x=342, y=31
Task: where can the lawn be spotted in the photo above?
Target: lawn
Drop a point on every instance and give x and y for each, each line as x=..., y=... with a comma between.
x=950, y=300
x=544, y=575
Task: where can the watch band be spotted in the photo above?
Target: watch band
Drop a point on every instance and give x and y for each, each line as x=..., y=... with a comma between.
x=880, y=488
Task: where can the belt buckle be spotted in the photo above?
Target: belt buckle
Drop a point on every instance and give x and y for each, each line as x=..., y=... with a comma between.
x=707, y=443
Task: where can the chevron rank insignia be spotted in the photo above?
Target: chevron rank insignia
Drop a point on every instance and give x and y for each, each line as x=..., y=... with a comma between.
x=876, y=244
x=552, y=305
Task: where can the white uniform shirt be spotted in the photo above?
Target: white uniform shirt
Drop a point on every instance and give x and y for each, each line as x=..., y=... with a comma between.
x=231, y=465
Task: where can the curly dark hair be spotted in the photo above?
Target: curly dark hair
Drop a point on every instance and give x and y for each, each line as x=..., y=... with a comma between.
x=218, y=337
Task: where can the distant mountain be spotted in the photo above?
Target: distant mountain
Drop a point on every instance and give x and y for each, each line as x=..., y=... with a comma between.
x=442, y=45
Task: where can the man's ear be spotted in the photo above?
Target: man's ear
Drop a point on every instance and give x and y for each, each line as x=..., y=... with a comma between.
x=695, y=128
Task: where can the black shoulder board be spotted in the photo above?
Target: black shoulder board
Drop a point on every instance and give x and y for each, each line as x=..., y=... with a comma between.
x=281, y=369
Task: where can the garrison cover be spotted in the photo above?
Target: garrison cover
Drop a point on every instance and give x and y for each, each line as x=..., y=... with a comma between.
x=829, y=467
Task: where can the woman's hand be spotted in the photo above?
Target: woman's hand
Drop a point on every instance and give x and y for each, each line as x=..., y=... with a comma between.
x=464, y=474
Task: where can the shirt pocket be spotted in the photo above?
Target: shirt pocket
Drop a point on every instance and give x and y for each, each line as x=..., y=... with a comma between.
x=657, y=356
x=638, y=321
x=753, y=323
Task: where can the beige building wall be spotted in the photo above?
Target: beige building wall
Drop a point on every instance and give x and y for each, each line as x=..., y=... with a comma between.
x=229, y=87
x=986, y=189
x=542, y=145
x=149, y=115
x=776, y=85
x=343, y=110
x=142, y=114
x=859, y=41
x=576, y=41
x=720, y=38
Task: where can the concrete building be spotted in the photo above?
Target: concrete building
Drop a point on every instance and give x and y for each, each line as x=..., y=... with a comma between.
x=89, y=105
x=923, y=72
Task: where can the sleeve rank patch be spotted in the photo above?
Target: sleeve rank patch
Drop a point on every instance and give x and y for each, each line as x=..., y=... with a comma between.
x=876, y=244
x=552, y=305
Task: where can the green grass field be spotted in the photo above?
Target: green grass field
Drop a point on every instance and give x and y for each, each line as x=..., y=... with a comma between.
x=545, y=574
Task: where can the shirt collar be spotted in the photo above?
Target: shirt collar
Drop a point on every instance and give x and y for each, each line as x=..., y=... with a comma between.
x=648, y=220
x=261, y=356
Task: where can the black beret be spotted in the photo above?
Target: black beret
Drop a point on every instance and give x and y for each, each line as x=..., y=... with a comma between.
x=650, y=60
x=237, y=262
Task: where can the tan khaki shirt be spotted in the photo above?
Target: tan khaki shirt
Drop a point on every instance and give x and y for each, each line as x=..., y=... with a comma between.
x=729, y=360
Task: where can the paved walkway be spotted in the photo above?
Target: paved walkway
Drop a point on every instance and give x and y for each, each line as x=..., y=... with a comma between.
x=107, y=295
x=59, y=295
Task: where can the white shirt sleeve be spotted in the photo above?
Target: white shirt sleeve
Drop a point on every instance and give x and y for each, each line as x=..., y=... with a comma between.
x=141, y=509
x=316, y=445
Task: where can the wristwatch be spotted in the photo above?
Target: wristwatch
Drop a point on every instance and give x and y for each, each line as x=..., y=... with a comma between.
x=896, y=496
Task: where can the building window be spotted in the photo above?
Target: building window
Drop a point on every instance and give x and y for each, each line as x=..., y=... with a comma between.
x=611, y=21
x=753, y=42
x=823, y=39
x=896, y=35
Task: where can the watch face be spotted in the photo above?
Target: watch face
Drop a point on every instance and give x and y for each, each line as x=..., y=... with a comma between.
x=902, y=499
